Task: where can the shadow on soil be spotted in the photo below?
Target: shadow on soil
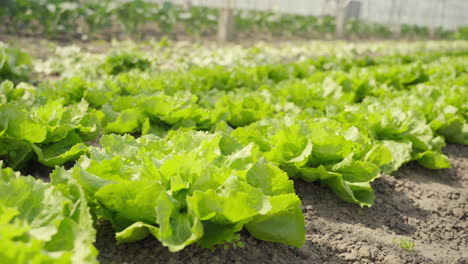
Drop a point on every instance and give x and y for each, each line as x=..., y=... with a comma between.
x=390, y=207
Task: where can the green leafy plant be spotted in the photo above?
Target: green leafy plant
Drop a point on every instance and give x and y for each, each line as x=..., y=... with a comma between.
x=97, y=16
x=15, y=65
x=44, y=222
x=414, y=31
x=199, y=20
x=123, y=62
x=69, y=18
x=462, y=33
x=52, y=133
x=405, y=244
x=216, y=141
x=191, y=187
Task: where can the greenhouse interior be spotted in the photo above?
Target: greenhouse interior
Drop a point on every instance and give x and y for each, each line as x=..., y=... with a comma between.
x=233, y=131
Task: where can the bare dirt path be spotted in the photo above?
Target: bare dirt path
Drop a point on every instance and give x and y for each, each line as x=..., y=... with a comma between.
x=426, y=207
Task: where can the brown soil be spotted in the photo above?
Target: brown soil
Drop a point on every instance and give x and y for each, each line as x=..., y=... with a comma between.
x=424, y=206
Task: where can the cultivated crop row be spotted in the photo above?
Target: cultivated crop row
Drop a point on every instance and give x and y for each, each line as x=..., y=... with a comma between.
x=196, y=155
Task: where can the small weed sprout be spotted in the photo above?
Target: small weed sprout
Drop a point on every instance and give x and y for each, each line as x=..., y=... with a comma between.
x=405, y=244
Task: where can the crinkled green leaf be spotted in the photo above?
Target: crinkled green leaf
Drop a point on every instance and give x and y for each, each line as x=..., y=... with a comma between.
x=354, y=192
x=275, y=225
x=179, y=187
x=128, y=121
x=44, y=223
x=433, y=160
x=20, y=126
x=320, y=150
x=70, y=148
x=15, y=152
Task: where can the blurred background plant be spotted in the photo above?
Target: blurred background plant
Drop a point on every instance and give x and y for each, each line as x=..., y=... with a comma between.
x=98, y=19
